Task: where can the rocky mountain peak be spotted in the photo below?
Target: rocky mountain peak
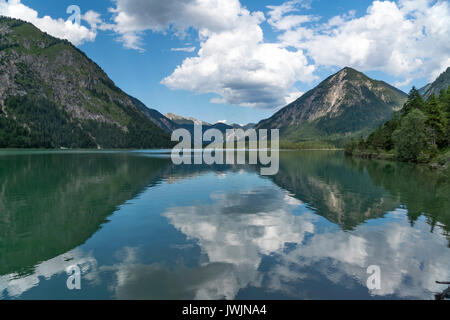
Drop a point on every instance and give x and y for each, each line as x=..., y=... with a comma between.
x=346, y=102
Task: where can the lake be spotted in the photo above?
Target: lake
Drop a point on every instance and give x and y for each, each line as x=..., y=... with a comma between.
x=139, y=227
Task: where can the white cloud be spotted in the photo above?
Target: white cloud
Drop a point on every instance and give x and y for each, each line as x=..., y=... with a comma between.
x=184, y=49
x=290, y=21
x=93, y=19
x=279, y=20
x=277, y=12
x=222, y=121
x=233, y=61
x=132, y=17
x=241, y=68
x=407, y=39
x=75, y=33
x=294, y=95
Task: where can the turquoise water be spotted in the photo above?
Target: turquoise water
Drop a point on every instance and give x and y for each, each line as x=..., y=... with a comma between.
x=139, y=227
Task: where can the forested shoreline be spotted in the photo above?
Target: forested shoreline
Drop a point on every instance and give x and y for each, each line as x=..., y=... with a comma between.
x=418, y=133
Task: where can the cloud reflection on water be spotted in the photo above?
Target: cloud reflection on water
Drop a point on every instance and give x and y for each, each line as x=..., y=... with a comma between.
x=263, y=238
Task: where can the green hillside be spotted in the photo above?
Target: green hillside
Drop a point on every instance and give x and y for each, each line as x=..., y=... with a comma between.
x=53, y=96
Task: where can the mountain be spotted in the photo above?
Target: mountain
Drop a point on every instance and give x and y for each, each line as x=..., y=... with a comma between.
x=346, y=103
x=52, y=96
x=180, y=120
x=155, y=116
x=189, y=122
x=244, y=127
x=442, y=82
x=223, y=127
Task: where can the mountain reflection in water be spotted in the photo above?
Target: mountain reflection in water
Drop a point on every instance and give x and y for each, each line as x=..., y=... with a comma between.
x=142, y=228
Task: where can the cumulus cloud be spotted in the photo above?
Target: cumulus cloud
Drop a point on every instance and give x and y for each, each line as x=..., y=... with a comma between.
x=69, y=30
x=407, y=39
x=93, y=19
x=239, y=66
x=234, y=61
x=242, y=71
x=132, y=17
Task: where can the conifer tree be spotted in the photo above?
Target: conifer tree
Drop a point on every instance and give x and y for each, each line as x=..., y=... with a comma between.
x=414, y=101
x=435, y=123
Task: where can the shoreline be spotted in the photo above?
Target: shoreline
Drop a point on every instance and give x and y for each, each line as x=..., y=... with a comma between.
x=434, y=165
x=157, y=149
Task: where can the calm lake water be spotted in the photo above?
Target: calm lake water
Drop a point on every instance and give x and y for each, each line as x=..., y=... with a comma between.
x=142, y=228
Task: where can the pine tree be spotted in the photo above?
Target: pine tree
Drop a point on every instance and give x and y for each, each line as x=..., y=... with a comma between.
x=435, y=122
x=444, y=99
x=409, y=139
x=414, y=101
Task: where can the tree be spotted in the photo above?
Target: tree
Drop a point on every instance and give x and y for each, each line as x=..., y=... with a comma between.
x=351, y=146
x=444, y=99
x=409, y=139
x=414, y=101
x=37, y=122
x=435, y=122
x=381, y=139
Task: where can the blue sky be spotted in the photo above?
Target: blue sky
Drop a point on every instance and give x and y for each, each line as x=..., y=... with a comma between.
x=256, y=55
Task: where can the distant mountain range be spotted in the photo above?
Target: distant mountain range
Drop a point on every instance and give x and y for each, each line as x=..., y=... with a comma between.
x=189, y=123
x=345, y=104
x=185, y=121
x=182, y=121
x=52, y=95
